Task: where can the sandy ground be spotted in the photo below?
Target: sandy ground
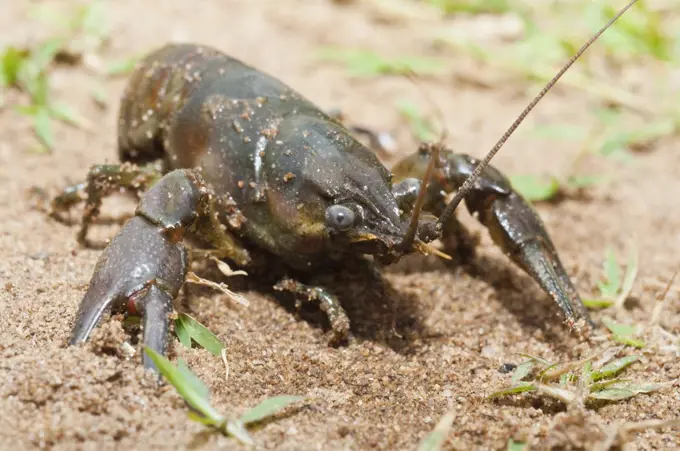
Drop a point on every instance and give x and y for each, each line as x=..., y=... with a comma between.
x=434, y=344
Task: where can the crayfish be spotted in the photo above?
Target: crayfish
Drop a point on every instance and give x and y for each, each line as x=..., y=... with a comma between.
x=230, y=156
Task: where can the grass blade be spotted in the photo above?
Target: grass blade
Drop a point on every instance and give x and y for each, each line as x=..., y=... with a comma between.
x=522, y=371
x=612, y=272
x=237, y=430
x=623, y=333
x=200, y=334
x=182, y=333
x=186, y=388
x=561, y=394
x=197, y=384
x=42, y=125
x=534, y=188
x=420, y=126
x=516, y=446
x=611, y=369
x=599, y=386
x=624, y=330
x=268, y=407
x=612, y=394
x=624, y=390
x=540, y=360
x=598, y=303
x=521, y=388
x=69, y=115
x=629, y=277
x=435, y=439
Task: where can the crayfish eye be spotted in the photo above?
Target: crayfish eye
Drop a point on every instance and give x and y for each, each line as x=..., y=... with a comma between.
x=339, y=217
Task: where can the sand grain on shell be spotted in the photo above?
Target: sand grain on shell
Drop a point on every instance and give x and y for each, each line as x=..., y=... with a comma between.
x=434, y=343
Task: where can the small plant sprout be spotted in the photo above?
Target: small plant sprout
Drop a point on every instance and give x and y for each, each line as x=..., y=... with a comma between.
x=615, y=289
x=535, y=188
x=77, y=38
x=624, y=333
x=516, y=446
x=578, y=381
x=188, y=329
x=197, y=396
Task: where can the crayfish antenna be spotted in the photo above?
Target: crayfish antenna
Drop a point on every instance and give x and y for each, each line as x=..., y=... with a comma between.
x=472, y=178
x=408, y=241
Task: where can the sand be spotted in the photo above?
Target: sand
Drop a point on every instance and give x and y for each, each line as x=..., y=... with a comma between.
x=434, y=343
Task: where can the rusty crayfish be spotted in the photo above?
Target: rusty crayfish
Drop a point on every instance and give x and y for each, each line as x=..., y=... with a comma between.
x=258, y=172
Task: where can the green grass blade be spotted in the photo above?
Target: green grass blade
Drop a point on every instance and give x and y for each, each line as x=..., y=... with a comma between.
x=12, y=60
x=620, y=390
x=558, y=132
x=182, y=333
x=44, y=55
x=522, y=371
x=629, y=277
x=186, y=388
x=598, y=303
x=623, y=330
x=623, y=333
x=516, y=446
x=361, y=62
x=612, y=368
x=435, y=439
x=237, y=430
x=540, y=360
x=201, y=334
x=612, y=394
x=420, y=126
x=268, y=407
x=612, y=272
x=42, y=125
x=599, y=386
x=521, y=388
x=198, y=418
x=197, y=385
x=559, y=393
x=471, y=6
x=629, y=341
x=534, y=188
x=69, y=115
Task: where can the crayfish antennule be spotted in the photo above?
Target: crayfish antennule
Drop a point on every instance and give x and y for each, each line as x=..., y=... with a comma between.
x=410, y=235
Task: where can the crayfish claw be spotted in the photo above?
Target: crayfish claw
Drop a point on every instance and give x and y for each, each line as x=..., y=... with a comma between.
x=156, y=305
x=519, y=231
x=534, y=259
x=143, y=268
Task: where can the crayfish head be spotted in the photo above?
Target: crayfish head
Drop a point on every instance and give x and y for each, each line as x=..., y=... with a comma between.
x=335, y=196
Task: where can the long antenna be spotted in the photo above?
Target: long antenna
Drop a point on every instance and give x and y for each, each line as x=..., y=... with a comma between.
x=472, y=178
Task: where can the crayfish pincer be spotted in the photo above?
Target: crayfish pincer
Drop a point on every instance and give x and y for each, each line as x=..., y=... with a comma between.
x=222, y=153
